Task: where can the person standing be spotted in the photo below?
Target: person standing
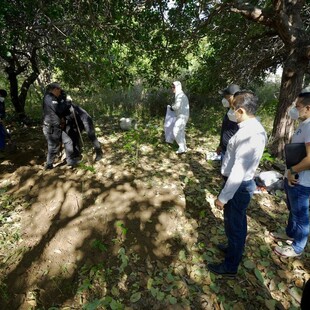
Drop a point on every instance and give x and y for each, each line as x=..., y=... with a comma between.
x=244, y=151
x=53, y=116
x=181, y=108
x=3, y=132
x=229, y=124
x=297, y=189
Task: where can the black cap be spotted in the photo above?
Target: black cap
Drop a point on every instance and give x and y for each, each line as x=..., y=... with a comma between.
x=3, y=93
x=50, y=87
x=230, y=90
x=54, y=85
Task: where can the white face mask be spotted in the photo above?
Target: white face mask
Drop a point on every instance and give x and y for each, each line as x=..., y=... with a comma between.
x=1, y=99
x=225, y=103
x=293, y=113
x=232, y=116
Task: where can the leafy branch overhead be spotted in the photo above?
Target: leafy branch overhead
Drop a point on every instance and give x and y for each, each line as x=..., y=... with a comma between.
x=99, y=44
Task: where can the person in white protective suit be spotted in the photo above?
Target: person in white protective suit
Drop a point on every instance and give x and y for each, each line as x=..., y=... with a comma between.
x=181, y=108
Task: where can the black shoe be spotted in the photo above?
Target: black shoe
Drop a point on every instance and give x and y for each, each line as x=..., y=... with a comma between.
x=221, y=270
x=48, y=166
x=222, y=247
x=74, y=163
x=99, y=154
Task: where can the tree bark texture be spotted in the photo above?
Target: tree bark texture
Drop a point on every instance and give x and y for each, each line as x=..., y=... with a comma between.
x=18, y=96
x=285, y=17
x=291, y=84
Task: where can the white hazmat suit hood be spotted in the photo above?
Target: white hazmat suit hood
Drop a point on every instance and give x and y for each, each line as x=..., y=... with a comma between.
x=178, y=87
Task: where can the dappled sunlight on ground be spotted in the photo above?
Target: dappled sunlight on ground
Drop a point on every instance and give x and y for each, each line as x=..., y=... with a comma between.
x=136, y=228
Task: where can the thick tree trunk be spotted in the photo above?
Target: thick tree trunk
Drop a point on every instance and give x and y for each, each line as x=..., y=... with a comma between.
x=291, y=85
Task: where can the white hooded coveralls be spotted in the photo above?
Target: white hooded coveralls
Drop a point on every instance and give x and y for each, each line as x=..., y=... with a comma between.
x=181, y=108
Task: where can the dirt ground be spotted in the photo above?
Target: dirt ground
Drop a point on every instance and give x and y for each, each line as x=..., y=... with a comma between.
x=144, y=217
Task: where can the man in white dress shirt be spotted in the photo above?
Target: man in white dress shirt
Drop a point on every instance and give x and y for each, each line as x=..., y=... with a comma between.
x=240, y=162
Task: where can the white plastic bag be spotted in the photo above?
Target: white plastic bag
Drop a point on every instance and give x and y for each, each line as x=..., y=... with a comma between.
x=127, y=123
x=169, y=124
x=213, y=156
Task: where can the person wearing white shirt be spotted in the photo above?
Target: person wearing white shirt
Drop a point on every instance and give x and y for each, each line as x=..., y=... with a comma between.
x=298, y=189
x=244, y=151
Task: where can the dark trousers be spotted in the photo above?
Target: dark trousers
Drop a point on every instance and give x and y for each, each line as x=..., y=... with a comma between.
x=73, y=133
x=235, y=223
x=305, y=299
x=75, y=137
x=2, y=137
x=90, y=130
x=54, y=136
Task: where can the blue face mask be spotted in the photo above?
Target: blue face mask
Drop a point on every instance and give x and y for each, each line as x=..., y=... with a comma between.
x=1, y=99
x=225, y=103
x=232, y=116
x=293, y=113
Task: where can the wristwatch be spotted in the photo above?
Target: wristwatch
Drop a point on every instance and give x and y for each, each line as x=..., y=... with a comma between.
x=292, y=171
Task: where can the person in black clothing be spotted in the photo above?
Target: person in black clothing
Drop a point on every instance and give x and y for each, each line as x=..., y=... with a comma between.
x=78, y=121
x=229, y=125
x=3, y=132
x=54, y=113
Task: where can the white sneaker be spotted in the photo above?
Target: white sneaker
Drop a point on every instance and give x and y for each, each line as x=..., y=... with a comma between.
x=286, y=251
x=180, y=152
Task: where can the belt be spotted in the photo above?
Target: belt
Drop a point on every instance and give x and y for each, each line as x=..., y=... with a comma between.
x=51, y=125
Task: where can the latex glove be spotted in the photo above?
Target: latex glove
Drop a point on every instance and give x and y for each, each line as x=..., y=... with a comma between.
x=69, y=98
x=71, y=109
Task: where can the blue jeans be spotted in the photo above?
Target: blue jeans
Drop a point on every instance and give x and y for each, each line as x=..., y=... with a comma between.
x=235, y=222
x=298, y=221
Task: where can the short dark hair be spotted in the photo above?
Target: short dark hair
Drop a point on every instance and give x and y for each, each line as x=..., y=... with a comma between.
x=247, y=100
x=3, y=93
x=305, y=98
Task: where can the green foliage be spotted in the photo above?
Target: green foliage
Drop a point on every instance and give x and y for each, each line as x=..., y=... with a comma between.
x=134, y=138
x=4, y=292
x=6, y=200
x=123, y=258
x=87, y=167
x=122, y=227
x=97, y=244
x=267, y=157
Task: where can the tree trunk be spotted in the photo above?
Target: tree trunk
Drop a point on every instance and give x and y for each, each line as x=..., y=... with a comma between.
x=19, y=106
x=14, y=70
x=291, y=85
x=29, y=80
